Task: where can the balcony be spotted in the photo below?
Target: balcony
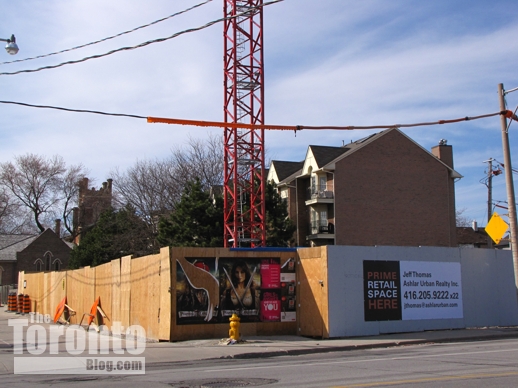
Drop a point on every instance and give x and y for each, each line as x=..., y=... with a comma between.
x=321, y=229
x=320, y=194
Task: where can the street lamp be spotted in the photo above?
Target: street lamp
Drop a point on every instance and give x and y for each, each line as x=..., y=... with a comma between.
x=11, y=47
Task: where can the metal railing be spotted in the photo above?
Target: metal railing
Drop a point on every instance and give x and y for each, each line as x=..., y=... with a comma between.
x=4, y=293
x=320, y=192
x=321, y=226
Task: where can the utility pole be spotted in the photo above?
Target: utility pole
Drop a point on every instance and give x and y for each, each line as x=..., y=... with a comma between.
x=509, y=183
x=489, y=196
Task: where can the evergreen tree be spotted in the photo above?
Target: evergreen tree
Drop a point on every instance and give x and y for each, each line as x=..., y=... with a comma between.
x=196, y=222
x=116, y=234
x=279, y=227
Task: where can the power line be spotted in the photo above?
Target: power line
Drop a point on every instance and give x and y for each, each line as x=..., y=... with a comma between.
x=275, y=127
x=73, y=110
x=159, y=40
x=307, y=127
x=503, y=166
x=110, y=37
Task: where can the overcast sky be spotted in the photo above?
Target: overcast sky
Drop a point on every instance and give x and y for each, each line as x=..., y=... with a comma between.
x=327, y=62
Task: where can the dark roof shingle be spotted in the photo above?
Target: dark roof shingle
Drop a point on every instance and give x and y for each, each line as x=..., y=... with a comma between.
x=285, y=169
x=12, y=243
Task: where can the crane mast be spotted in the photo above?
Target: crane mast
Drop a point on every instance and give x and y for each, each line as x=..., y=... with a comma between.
x=244, y=164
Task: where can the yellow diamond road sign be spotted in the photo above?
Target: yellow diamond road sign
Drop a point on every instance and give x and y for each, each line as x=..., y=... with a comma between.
x=496, y=227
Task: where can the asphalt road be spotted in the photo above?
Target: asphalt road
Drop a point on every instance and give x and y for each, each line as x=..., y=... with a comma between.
x=464, y=364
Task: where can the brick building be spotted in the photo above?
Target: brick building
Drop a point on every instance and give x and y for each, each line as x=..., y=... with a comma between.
x=30, y=253
x=384, y=189
x=91, y=203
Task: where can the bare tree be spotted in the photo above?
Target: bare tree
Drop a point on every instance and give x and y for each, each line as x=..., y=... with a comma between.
x=201, y=159
x=154, y=188
x=69, y=188
x=150, y=187
x=41, y=185
x=12, y=217
x=462, y=220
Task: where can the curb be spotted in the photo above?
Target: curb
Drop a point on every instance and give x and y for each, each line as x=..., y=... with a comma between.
x=330, y=349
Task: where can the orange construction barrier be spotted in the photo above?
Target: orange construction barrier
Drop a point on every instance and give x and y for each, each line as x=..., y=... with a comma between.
x=61, y=308
x=26, y=304
x=20, y=304
x=11, y=302
x=96, y=307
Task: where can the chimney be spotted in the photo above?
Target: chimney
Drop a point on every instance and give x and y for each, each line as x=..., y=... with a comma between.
x=444, y=152
x=474, y=225
x=57, y=229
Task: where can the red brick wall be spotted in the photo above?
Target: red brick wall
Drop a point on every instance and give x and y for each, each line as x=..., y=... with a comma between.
x=391, y=192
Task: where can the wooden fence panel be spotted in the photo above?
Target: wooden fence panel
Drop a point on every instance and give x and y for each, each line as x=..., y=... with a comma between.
x=88, y=291
x=57, y=290
x=74, y=297
x=47, y=292
x=165, y=295
x=116, y=291
x=145, y=294
x=103, y=290
x=312, y=313
x=34, y=289
x=125, y=290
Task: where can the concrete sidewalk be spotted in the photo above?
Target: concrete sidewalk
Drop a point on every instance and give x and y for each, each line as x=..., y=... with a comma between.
x=264, y=346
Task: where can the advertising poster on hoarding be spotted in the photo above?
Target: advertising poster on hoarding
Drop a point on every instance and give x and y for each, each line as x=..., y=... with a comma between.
x=411, y=290
x=195, y=278
x=381, y=290
x=431, y=290
x=210, y=290
x=288, y=294
x=240, y=288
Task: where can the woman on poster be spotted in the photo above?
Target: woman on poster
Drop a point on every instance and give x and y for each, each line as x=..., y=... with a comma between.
x=242, y=293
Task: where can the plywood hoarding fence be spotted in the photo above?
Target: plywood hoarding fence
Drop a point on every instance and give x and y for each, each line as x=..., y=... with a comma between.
x=131, y=291
x=143, y=291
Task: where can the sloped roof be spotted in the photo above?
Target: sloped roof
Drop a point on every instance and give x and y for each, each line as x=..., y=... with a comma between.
x=466, y=235
x=325, y=154
x=285, y=169
x=12, y=243
x=353, y=147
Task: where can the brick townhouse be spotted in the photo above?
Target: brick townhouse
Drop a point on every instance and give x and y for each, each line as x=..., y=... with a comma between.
x=384, y=189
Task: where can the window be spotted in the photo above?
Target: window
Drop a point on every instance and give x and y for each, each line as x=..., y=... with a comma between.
x=39, y=265
x=323, y=183
x=57, y=265
x=314, y=184
x=323, y=217
x=48, y=261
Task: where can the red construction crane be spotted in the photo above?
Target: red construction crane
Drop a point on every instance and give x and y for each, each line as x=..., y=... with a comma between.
x=244, y=164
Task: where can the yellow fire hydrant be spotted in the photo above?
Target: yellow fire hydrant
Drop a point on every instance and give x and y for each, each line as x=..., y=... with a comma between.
x=235, y=322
